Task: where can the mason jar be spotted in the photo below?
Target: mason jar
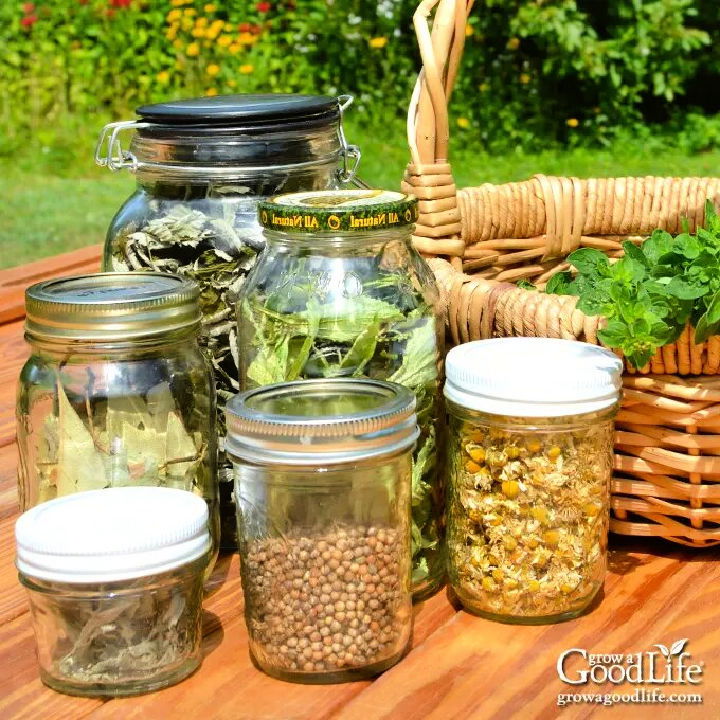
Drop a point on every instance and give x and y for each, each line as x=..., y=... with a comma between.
x=116, y=391
x=115, y=583
x=530, y=461
x=339, y=291
x=201, y=166
x=323, y=485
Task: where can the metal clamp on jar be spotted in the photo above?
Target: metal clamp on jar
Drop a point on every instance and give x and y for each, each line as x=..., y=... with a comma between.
x=202, y=165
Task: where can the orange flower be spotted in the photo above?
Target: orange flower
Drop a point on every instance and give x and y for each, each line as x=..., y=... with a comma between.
x=163, y=77
x=211, y=92
x=246, y=69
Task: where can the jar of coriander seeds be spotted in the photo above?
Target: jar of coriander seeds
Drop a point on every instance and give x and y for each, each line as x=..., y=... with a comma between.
x=116, y=391
x=115, y=583
x=202, y=165
x=530, y=461
x=339, y=291
x=323, y=486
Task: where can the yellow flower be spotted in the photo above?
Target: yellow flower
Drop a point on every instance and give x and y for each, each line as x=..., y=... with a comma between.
x=210, y=8
x=171, y=33
x=173, y=15
x=469, y=30
x=228, y=27
x=231, y=83
x=187, y=24
x=572, y=122
x=198, y=32
x=180, y=63
x=177, y=3
x=377, y=43
x=513, y=43
x=178, y=44
x=463, y=122
x=235, y=48
x=212, y=70
x=201, y=22
x=163, y=77
x=483, y=87
x=246, y=38
x=211, y=91
x=189, y=12
x=524, y=78
x=246, y=69
x=213, y=31
x=224, y=40
x=193, y=50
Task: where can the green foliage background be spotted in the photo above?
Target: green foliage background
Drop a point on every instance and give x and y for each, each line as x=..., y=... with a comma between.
x=536, y=72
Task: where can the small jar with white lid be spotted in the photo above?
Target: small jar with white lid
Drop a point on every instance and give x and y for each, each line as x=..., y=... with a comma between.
x=115, y=582
x=530, y=461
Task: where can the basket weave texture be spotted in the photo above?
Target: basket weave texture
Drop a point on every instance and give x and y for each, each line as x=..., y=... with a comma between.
x=480, y=241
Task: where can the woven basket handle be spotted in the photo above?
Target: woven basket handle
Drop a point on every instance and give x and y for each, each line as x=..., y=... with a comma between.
x=429, y=175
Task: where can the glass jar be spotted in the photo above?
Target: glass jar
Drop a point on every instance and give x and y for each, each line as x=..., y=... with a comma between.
x=116, y=390
x=115, y=583
x=322, y=481
x=530, y=462
x=202, y=165
x=340, y=291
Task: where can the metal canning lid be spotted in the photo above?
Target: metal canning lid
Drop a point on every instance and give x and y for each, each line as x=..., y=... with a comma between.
x=112, y=534
x=111, y=307
x=321, y=422
x=533, y=377
x=337, y=211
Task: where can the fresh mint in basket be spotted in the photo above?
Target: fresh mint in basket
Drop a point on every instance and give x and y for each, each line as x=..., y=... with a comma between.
x=650, y=294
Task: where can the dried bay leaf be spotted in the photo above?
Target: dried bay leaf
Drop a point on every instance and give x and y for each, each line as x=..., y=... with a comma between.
x=80, y=465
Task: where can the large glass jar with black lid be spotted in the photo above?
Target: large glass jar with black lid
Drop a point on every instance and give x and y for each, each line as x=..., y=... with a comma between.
x=339, y=291
x=116, y=391
x=201, y=166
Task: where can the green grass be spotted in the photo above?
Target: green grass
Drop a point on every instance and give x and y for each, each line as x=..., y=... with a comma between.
x=55, y=200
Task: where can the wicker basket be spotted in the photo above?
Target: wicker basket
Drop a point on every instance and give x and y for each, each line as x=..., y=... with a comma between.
x=481, y=240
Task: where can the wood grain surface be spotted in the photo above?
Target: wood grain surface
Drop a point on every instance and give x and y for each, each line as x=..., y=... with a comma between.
x=460, y=666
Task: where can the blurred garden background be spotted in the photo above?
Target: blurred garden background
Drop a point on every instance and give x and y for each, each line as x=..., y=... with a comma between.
x=583, y=87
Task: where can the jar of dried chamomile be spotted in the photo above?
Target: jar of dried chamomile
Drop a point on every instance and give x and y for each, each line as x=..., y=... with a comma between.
x=530, y=460
x=115, y=582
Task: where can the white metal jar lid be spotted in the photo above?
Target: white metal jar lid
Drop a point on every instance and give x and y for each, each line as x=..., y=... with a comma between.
x=532, y=377
x=112, y=534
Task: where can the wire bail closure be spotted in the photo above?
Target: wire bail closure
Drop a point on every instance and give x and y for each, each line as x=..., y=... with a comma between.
x=113, y=156
x=109, y=152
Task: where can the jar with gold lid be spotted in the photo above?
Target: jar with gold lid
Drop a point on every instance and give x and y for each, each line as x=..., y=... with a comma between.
x=116, y=391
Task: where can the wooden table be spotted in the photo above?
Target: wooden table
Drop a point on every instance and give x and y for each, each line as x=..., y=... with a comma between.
x=460, y=666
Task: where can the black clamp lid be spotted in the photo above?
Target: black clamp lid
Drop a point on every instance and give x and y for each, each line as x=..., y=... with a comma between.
x=248, y=110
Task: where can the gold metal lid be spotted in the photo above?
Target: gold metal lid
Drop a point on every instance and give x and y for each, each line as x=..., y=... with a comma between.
x=322, y=421
x=111, y=307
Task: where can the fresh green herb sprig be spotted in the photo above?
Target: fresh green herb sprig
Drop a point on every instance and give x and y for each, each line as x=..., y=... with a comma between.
x=650, y=294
